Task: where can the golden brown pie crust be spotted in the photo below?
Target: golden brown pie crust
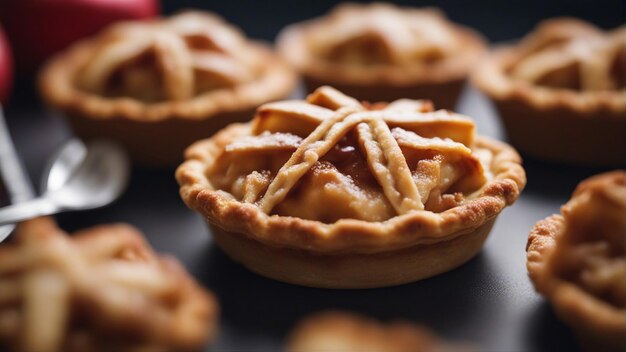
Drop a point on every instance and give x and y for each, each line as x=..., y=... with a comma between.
x=430, y=61
x=102, y=289
x=577, y=261
x=342, y=331
x=156, y=132
x=347, y=253
x=559, y=124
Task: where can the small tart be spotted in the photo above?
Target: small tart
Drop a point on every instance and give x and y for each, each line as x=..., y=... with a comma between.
x=578, y=261
x=340, y=331
x=561, y=92
x=381, y=52
x=157, y=86
x=334, y=193
x=102, y=289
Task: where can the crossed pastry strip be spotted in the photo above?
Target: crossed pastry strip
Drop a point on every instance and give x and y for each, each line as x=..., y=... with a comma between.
x=576, y=56
x=101, y=289
x=381, y=136
x=192, y=53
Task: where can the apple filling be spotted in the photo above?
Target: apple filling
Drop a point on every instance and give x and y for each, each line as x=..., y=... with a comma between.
x=333, y=158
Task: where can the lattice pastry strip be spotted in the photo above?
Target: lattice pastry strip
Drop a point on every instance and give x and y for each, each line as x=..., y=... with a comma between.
x=387, y=163
x=103, y=289
x=315, y=146
x=382, y=34
x=95, y=75
x=173, y=59
x=455, y=162
x=585, y=62
x=294, y=117
x=332, y=99
x=301, y=118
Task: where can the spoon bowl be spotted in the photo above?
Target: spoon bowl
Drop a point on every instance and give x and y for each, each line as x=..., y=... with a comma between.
x=79, y=179
x=62, y=165
x=98, y=180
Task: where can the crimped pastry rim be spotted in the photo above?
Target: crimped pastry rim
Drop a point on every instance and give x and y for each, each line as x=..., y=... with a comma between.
x=577, y=307
x=346, y=235
x=58, y=90
x=490, y=77
x=293, y=37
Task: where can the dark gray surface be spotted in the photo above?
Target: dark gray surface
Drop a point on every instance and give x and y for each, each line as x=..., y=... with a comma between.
x=489, y=301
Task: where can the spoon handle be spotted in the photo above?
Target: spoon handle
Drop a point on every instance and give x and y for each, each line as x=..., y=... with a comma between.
x=26, y=210
x=15, y=178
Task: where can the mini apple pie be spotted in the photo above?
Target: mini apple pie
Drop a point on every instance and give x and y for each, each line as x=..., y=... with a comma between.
x=345, y=332
x=334, y=193
x=561, y=92
x=157, y=86
x=381, y=52
x=103, y=289
x=577, y=260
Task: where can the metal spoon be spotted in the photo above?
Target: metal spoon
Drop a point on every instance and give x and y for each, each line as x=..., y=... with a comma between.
x=99, y=179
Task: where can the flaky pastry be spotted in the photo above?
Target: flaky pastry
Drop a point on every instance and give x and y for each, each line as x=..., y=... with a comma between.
x=561, y=92
x=102, y=289
x=577, y=260
x=160, y=85
x=381, y=52
x=340, y=331
x=335, y=193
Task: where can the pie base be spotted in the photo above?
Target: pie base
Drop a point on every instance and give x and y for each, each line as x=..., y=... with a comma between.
x=558, y=134
x=167, y=138
x=444, y=95
x=597, y=326
x=355, y=270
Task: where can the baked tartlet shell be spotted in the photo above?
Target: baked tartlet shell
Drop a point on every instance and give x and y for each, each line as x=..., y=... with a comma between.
x=348, y=253
x=352, y=271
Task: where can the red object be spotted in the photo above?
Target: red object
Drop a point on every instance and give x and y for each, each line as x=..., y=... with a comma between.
x=6, y=68
x=39, y=28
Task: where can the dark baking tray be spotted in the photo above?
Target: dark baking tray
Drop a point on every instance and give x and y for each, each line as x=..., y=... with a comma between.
x=489, y=301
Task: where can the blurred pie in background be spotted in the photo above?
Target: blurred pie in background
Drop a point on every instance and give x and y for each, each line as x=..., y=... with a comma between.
x=341, y=331
x=577, y=260
x=159, y=85
x=561, y=92
x=381, y=52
